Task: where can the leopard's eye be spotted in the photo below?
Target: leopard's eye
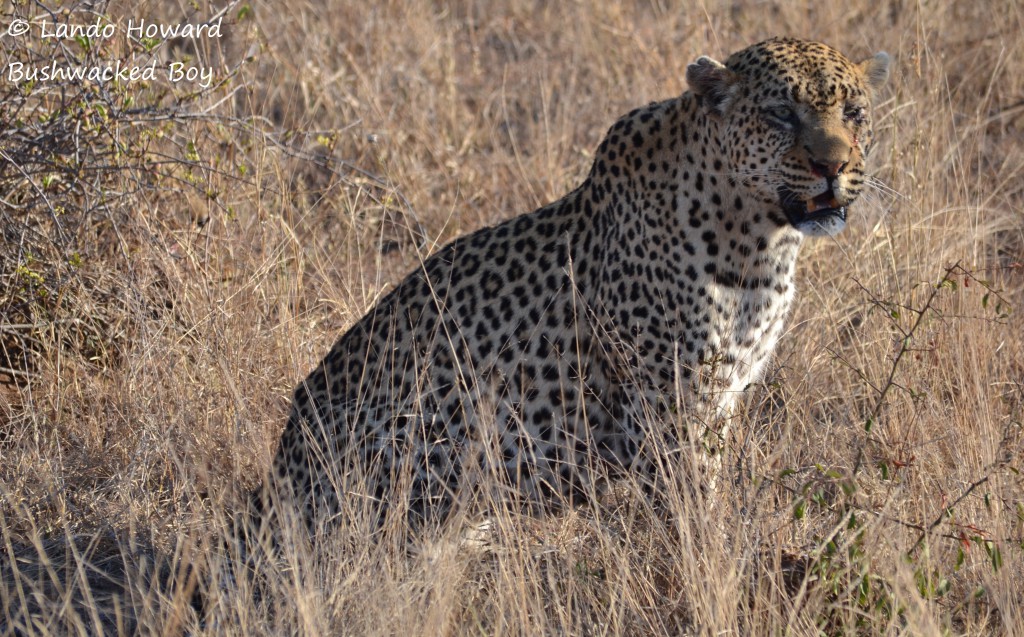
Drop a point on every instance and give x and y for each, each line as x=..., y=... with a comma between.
x=781, y=113
x=856, y=114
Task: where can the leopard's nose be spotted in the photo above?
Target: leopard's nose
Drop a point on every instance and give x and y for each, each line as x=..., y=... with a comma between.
x=829, y=169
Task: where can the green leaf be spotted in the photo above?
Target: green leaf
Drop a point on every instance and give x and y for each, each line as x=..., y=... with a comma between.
x=819, y=498
x=994, y=554
x=799, y=509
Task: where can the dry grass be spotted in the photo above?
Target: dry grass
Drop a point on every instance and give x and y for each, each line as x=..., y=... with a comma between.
x=154, y=325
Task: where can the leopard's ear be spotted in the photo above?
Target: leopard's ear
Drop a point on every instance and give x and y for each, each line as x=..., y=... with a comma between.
x=712, y=82
x=876, y=70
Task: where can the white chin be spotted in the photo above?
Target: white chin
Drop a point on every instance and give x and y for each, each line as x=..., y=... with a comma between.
x=823, y=227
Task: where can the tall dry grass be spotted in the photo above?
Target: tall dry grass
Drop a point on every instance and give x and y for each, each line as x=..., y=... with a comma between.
x=161, y=298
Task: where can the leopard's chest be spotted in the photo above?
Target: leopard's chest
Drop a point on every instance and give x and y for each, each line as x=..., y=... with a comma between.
x=748, y=320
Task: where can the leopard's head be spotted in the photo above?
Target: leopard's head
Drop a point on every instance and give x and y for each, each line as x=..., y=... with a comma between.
x=794, y=123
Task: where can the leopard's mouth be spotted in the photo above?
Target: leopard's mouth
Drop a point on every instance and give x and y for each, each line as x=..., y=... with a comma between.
x=820, y=215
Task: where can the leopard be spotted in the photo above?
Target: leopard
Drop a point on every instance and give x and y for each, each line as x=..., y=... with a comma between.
x=550, y=350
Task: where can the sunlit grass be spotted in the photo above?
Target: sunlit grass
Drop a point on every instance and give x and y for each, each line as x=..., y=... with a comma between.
x=884, y=442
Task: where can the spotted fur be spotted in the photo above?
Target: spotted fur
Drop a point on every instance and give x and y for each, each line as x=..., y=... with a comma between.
x=538, y=349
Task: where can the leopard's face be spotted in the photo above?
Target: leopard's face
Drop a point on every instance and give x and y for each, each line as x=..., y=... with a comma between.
x=795, y=126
